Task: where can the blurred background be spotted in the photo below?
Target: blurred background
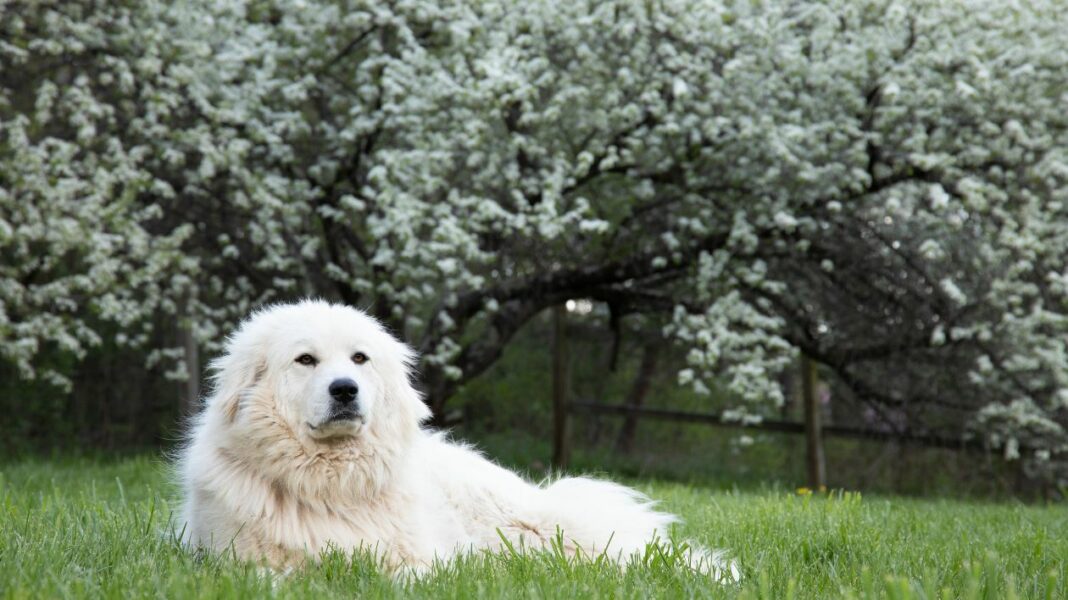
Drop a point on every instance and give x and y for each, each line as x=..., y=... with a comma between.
x=752, y=243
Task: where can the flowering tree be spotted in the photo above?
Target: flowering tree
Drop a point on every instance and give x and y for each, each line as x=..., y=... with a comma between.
x=78, y=246
x=879, y=186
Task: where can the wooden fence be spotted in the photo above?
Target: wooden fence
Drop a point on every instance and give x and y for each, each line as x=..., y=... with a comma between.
x=812, y=427
x=661, y=414
x=814, y=446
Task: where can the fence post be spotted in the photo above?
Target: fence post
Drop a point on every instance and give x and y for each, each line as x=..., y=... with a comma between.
x=561, y=441
x=817, y=466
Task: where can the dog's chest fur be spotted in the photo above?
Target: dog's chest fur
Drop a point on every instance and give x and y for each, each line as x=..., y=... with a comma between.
x=262, y=519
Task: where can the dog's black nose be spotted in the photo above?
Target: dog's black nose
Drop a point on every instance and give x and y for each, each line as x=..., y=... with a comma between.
x=343, y=390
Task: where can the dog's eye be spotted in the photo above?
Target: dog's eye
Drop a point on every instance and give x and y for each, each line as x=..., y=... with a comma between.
x=359, y=358
x=307, y=359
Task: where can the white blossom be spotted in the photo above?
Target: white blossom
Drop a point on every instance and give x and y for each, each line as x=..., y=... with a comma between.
x=197, y=159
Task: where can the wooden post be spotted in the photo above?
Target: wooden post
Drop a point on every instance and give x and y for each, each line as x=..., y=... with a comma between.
x=561, y=441
x=817, y=467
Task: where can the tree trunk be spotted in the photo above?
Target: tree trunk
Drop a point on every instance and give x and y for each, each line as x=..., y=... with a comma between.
x=476, y=357
x=190, y=402
x=561, y=435
x=636, y=397
x=792, y=393
x=817, y=468
x=434, y=393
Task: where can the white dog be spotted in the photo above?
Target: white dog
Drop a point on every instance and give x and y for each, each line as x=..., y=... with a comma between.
x=311, y=439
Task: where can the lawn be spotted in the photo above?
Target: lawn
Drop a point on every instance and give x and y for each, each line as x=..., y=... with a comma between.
x=97, y=528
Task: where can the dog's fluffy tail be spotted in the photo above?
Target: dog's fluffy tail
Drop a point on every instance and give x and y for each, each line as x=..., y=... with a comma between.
x=604, y=517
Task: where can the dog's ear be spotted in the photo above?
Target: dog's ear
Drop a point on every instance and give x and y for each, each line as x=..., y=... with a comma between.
x=407, y=401
x=233, y=373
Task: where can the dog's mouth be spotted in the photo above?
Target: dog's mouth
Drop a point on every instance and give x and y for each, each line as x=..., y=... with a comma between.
x=341, y=423
x=345, y=414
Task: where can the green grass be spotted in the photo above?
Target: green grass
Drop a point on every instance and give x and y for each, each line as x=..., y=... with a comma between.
x=85, y=527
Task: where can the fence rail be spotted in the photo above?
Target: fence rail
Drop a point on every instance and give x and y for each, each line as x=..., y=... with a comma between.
x=927, y=440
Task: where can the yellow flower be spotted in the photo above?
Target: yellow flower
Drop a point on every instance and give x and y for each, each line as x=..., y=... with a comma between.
x=804, y=491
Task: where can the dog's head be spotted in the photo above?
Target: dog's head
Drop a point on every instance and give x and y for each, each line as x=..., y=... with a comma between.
x=326, y=374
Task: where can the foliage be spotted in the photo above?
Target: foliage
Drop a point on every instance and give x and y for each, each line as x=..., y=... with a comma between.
x=85, y=528
x=880, y=185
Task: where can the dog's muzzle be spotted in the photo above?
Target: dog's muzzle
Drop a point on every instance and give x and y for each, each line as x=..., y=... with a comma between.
x=344, y=406
x=345, y=413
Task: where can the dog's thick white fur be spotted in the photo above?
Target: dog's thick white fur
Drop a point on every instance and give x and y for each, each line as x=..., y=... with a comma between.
x=277, y=469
